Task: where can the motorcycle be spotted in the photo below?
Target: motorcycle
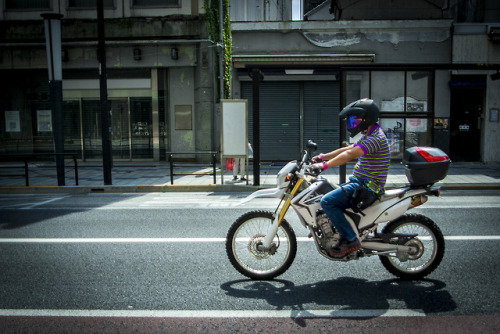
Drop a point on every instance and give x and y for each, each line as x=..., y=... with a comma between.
x=262, y=244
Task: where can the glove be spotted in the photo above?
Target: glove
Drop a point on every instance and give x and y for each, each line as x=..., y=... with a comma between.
x=319, y=158
x=316, y=169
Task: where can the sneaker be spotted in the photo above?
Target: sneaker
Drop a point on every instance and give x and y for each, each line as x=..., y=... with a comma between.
x=243, y=179
x=344, y=247
x=235, y=178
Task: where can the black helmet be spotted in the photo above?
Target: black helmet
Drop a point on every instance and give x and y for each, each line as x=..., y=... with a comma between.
x=360, y=115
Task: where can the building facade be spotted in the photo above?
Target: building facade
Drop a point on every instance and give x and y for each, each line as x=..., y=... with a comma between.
x=159, y=69
x=432, y=67
x=428, y=65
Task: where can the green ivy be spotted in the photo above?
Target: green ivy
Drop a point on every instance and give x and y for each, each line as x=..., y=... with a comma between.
x=212, y=16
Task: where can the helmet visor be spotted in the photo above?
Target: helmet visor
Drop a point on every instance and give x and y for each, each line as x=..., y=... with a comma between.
x=353, y=122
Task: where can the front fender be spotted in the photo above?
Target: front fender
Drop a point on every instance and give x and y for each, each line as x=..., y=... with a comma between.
x=272, y=192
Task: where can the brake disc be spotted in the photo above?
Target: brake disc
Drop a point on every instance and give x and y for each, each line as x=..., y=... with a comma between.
x=258, y=252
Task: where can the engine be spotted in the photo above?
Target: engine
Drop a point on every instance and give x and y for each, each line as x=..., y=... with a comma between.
x=327, y=235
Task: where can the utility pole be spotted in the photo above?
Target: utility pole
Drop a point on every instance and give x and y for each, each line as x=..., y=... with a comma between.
x=52, y=23
x=256, y=78
x=107, y=161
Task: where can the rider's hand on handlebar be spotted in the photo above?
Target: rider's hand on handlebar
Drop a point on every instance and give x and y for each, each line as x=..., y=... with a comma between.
x=319, y=158
x=315, y=169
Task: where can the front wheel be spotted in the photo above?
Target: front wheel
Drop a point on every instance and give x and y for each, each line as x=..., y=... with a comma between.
x=429, y=245
x=246, y=235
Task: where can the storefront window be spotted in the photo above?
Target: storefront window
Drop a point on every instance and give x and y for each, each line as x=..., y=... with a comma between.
x=89, y=3
x=388, y=90
x=128, y=142
x=418, y=132
x=357, y=86
x=43, y=141
x=404, y=102
x=394, y=130
x=91, y=117
x=27, y=4
x=156, y=3
x=141, y=118
x=120, y=134
x=72, y=132
x=417, y=89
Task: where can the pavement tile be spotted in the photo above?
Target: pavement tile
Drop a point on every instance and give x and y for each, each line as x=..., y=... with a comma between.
x=132, y=174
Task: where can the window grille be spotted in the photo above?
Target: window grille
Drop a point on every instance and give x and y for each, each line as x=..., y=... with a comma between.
x=156, y=3
x=27, y=4
x=89, y=3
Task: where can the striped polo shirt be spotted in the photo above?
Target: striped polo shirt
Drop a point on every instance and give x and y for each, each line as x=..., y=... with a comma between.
x=374, y=164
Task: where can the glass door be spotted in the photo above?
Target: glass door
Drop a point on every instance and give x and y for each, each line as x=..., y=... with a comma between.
x=120, y=130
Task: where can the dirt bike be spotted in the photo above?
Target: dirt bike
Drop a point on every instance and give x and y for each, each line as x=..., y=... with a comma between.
x=263, y=245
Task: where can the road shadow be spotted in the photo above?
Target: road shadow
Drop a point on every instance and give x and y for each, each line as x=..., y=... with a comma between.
x=27, y=209
x=347, y=293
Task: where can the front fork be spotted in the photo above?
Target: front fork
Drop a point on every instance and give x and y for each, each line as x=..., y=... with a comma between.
x=273, y=229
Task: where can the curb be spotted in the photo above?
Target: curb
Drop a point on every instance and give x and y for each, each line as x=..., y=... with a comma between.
x=189, y=188
x=128, y=189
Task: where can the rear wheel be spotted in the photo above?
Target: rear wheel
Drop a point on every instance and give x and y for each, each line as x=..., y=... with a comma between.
x=246, y=235
x=429, y=246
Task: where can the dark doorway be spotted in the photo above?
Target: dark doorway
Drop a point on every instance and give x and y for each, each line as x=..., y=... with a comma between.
x=467, y=99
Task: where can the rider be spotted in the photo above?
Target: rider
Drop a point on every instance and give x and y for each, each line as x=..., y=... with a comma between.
x=371, y=170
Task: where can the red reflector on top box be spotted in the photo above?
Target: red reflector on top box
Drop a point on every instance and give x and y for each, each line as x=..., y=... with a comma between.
x=425, y=166
x=429, y=157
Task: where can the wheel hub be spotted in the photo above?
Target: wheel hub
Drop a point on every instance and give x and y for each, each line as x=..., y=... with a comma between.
x=417, y=249
x=255, y=247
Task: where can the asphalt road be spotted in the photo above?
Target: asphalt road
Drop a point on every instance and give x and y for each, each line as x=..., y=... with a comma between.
x=156, y=262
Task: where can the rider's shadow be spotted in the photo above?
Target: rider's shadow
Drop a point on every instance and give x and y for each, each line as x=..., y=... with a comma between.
x=346, y=293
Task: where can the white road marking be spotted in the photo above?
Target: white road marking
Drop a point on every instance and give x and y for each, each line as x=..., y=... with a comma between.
x=461, y=206
x=110, y=240
x=214, y=313
x=209, y=205
x=34, y=205
x=189, y=240
x=472, y=237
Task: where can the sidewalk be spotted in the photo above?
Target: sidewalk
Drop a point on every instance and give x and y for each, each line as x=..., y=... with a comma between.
x=155, y=176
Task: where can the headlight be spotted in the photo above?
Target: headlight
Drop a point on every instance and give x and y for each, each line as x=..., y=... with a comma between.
x=285, y=174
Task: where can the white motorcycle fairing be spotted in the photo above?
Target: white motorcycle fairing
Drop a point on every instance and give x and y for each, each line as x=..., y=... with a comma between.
x=270, y=192
x=392, y=205
x=280, y=181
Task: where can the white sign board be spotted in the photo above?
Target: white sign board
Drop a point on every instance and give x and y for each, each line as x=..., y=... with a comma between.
x=44, y=120
x=12, y=121
x=234, y=134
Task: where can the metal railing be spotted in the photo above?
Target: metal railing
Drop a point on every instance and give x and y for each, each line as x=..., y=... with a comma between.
x=187, y=165
x=26, y=158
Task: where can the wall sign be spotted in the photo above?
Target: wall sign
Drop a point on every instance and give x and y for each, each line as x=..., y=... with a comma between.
x=44, y=120
x=441, y=123
x=464, y=127
x=12, y=121
x=183, y=117
x=494, y=115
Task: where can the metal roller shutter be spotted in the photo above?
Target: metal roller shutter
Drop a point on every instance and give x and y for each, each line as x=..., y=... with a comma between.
x=321, y=114
x=279, y=119
x=280, y=109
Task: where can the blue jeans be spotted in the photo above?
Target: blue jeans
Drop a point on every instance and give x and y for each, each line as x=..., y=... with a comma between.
x=335, y=202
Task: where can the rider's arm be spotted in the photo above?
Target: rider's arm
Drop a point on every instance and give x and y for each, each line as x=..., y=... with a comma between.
x=333, y=154
x=343, y=155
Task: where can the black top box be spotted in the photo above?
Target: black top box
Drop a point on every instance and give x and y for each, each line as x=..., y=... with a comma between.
x=425, y=166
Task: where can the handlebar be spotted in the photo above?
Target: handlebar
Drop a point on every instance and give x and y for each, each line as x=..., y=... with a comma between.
x=311, y=147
